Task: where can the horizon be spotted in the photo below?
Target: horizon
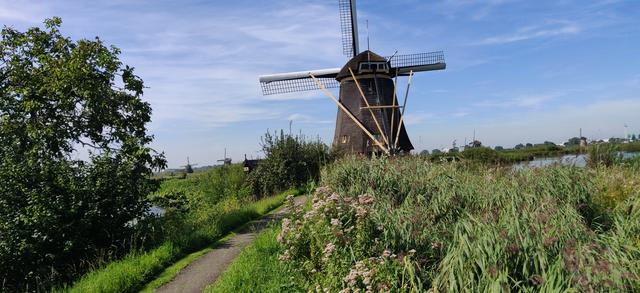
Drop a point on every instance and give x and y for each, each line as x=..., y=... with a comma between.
x=517, y=72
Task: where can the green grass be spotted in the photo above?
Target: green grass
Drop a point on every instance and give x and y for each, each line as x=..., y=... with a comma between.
x=134, y=271
x=257, y=269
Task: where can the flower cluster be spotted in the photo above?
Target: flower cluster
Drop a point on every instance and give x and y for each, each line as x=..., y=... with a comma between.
x=323, y=240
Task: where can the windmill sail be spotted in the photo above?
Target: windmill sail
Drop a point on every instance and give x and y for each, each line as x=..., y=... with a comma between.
x=298, y=81
x=403, y=64
x=349, y=26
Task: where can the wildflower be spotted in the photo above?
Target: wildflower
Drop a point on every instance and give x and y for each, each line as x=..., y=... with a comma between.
x=412, y=252
x=537, y=280
x=335, y=222
x=286, y=223
x=280, y=237
x=386, y=253
x=334, y=197
x=308, y=215
x=436, y=245
x=365, y=199
x=330, y=248
x=361, y=212
x=285, y=256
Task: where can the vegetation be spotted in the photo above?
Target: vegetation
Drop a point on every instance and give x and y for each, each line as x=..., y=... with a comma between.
x=257, y=269
x=291, y=160
x=410, y=225
x=195, y=218
x=58, y=214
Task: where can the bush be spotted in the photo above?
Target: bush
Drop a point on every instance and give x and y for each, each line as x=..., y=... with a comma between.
x=58, y=214
x=291, y=161
x=482, y=155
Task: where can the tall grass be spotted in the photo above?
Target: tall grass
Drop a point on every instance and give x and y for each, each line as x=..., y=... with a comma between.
x=407, y=224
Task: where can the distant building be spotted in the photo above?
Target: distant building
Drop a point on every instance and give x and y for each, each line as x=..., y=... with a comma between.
x=250, y=165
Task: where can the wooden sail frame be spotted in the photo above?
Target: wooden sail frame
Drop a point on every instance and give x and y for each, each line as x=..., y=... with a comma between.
x=350, y=115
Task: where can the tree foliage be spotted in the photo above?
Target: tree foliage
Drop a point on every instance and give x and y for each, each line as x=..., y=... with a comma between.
x=61, y=98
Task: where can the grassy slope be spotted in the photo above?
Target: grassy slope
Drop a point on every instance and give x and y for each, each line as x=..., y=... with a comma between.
x=132, y=272
x=257, y=269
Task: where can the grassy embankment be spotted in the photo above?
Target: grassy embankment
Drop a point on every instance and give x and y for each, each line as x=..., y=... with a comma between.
x=200, y=210
x=409, y=224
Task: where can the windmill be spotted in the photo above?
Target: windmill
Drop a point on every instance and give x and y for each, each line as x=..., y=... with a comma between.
x=370, y=118
x=188, y=168
x=225, y=160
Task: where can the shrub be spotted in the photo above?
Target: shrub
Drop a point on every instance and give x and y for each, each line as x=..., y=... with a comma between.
x=482, y=155
x=290, y=161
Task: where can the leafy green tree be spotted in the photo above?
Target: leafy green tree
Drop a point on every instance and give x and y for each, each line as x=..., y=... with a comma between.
x=499, y=148
x=59, y=97
x=519, y=146
x=436, y=151
x=528, y=145
x=633, y=137
x=573, y=141
x=424, y=153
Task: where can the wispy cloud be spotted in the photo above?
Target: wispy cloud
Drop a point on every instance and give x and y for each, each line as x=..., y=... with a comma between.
x=12, y=11
x=417, y=118
x=460, y=114
x=303, y=118
x=525, y=101
x=550, y=29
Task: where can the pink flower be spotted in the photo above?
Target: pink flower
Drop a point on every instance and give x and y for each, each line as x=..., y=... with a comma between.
x=335, y=222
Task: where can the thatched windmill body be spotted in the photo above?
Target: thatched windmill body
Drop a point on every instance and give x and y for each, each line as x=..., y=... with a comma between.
x=370, y=117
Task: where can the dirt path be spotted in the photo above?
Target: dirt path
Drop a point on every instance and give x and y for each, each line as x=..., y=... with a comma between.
x=206, y=269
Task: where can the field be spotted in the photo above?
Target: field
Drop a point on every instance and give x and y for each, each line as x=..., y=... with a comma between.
x=411, y=225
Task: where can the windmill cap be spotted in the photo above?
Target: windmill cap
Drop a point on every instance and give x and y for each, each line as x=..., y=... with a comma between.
x=355, y=62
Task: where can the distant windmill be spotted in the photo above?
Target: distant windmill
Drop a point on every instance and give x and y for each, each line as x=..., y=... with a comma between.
x=225, y=160
x=188, y=168
x=369, y=119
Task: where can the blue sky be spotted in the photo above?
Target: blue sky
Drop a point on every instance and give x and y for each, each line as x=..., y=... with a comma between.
x=518, y=71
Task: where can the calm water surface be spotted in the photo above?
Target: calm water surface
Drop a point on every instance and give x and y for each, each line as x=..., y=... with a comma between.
x=579, y=160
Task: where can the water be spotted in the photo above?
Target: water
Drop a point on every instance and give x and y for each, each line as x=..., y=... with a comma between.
x=579, y=160
x=156, y=211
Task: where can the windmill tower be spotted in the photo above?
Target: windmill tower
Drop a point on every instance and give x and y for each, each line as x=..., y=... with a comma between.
x=188, y=168
x=225, y=161
x=370, y=117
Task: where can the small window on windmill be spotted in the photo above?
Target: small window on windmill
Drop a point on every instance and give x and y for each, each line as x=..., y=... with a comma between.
x=382, y=67
x=344, y=139
x=365, y=67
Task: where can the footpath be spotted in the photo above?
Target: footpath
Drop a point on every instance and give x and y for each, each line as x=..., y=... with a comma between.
x=206, y=269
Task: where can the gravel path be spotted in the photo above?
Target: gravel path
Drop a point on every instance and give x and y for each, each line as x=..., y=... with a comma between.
x=206, y=269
